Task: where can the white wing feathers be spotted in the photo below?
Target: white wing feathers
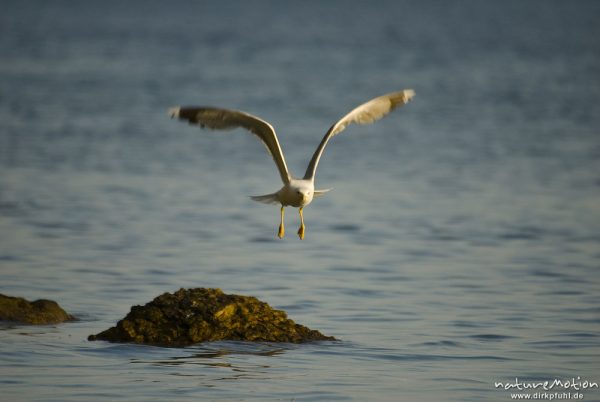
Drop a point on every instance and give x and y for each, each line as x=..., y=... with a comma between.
x=373, y=110
x=224, y=119
x=366, y=113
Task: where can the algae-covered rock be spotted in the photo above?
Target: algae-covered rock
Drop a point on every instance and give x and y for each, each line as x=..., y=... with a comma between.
x=39, y=312
x=191, y=316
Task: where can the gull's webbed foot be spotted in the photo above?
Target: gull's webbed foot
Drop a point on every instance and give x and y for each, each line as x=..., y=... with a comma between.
x=301, y=230
x=281, y=226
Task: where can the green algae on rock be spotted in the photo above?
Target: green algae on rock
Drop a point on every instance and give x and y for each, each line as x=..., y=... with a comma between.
x=39, y=312
x=191, y=316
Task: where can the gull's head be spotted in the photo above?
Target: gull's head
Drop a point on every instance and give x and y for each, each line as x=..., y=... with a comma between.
x=301, y=191
x=305, y=195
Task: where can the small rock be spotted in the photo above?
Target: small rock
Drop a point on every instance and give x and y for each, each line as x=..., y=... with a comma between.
x=39, y=312
x=191, y=316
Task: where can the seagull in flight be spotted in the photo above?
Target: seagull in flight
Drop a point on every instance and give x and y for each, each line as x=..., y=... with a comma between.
x=295, y=192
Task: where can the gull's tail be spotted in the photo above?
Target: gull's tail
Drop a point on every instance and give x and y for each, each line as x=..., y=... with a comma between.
x=273, y=199
x=266, y=199
x=319, y=193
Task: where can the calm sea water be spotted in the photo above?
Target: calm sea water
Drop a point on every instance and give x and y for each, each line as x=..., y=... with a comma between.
x=458, y=248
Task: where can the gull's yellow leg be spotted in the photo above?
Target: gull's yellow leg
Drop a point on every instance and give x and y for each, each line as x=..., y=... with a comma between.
x=281, y=227
x=301, y=230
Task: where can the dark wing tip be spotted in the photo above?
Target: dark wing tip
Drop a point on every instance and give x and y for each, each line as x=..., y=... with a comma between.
x=174, y=112
x=408, y=95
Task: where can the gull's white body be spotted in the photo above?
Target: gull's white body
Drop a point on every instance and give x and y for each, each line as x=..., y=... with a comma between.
x=295, y=192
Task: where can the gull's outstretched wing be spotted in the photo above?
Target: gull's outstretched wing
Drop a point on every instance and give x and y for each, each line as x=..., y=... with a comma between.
x=366, y=113
x=224, y=119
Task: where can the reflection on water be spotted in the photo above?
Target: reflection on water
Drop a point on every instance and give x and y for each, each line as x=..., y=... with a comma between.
x=220, y=349
x=229, y=361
